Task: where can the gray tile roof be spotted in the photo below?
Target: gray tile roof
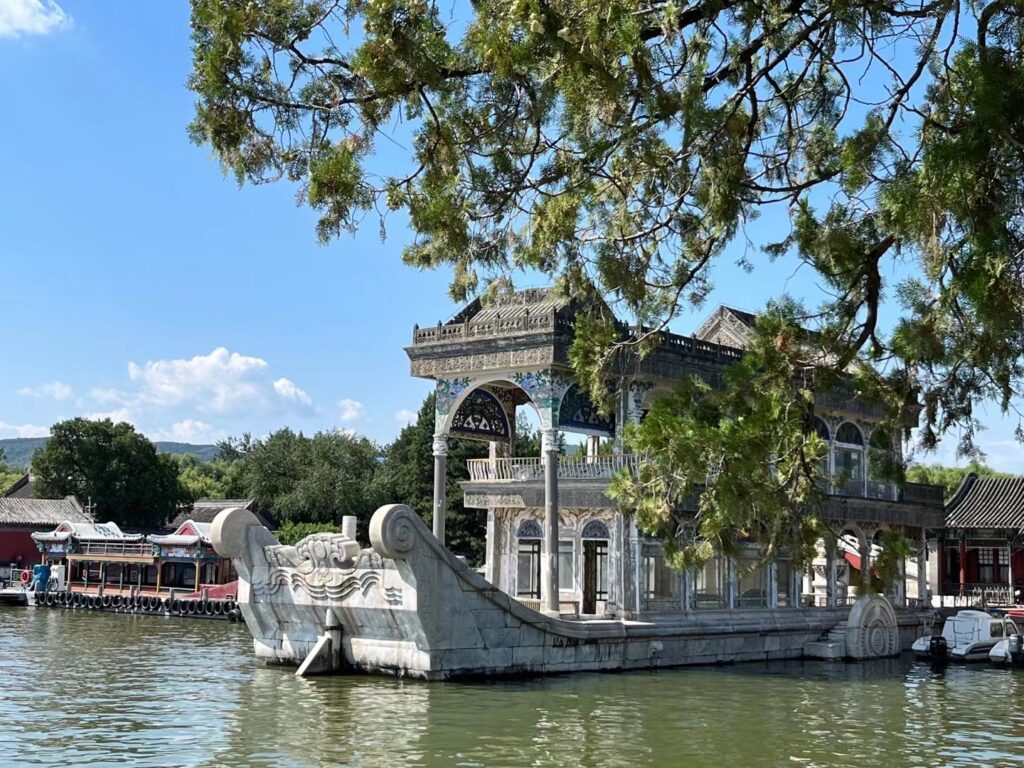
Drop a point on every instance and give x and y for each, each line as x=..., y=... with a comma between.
x=987, y=503
x=204, y=510
x=41, y=512
x=24, y=488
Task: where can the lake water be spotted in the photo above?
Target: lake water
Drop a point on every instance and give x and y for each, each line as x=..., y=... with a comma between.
x=106, y=690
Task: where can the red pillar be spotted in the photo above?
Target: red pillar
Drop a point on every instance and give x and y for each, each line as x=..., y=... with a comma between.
x=963, y=566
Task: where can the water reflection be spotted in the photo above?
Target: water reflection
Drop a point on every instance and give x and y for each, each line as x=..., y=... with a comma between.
x=111, y=690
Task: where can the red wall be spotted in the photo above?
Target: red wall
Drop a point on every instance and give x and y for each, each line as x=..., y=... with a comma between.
x=15, y=543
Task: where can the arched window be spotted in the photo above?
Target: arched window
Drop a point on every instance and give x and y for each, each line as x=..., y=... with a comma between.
x=595, y=529
x=821, y=429
x=849, y=433
x=879, y=454
x=880, y=465
x=849, y=453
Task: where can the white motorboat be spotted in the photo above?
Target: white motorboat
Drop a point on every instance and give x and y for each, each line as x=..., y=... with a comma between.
x=1010, y=650
x=968, y=636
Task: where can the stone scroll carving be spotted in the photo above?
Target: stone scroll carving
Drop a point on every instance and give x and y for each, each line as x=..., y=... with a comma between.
x=871, y=630
x=326, y=566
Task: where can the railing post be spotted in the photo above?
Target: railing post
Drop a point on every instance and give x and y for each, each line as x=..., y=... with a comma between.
x=831, y=572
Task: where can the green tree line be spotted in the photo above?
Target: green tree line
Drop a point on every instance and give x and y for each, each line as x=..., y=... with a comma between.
x=303, y=483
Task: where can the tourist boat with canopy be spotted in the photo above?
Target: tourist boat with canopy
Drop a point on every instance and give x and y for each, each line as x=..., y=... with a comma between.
x=968, y=636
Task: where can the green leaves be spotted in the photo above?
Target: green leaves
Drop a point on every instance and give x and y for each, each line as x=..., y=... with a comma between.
x=618, y=148
x=733, y=463
x=114, y=467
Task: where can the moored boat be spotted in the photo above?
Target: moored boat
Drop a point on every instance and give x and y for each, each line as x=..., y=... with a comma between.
x=1009, y=651
x=968, y=636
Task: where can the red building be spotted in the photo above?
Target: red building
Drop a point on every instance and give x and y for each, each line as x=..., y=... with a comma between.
x=21, y=516
x=980, y=552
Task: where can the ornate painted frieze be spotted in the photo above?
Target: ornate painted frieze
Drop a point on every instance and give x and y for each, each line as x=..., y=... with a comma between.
x=637, y=392
x=448, y=391
x=545, y=387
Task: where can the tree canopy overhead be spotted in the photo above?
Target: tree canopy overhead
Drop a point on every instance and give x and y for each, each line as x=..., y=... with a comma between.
x=619, y=147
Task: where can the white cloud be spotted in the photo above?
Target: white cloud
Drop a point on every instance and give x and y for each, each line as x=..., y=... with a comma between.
x=189, y=431
x=350, y=409
x=287, y=389
x=406, y=417
x=107, y=395
x=116, y=415
x=31, y=17
x=56, y=389
x=214, y=383
x=23, y=430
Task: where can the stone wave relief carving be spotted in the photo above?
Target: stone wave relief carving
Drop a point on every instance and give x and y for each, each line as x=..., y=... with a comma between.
x=326, y=566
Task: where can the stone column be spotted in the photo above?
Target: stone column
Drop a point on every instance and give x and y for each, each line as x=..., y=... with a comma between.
x=1009, y=568
x=831, y=574
x=440, y=483
x=491, y=548
x=900, y=587
x=865, y=565
x=549, y=560
x=773, y=584
x=632, y=582
x=963, y=566
x=730, y=583
x=686, y=594
x=922, y=569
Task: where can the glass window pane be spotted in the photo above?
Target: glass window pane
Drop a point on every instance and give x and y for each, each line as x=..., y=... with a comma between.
x=709, y=591
x=528, y=569
x=782, y=577
x=753, y=583
x=565, y=563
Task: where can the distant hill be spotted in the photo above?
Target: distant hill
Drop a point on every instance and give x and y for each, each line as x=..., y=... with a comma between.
x=19, y=450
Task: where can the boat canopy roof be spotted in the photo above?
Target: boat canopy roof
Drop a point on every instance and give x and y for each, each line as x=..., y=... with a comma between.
x=188, y=534
x=87, y=532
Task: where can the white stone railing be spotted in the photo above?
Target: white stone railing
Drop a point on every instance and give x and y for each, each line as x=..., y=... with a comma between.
x=523, y=468
x=541, y=322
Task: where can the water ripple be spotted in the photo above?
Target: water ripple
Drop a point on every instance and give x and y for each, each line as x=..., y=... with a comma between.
x=103, y=690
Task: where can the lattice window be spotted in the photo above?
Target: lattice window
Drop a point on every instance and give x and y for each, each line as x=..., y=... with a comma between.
x=529, y=529
x=595, y=529
x=481, y=414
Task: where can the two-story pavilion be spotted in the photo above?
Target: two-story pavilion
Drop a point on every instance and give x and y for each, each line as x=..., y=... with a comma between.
x=554, y=538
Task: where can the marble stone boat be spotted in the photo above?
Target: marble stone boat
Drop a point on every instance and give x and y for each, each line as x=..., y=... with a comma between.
x=408, y=607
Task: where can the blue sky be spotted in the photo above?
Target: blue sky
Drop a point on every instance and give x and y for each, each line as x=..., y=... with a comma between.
x=142, y=284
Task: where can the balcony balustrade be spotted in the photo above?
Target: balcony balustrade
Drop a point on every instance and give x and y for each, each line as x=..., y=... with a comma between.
x=580, y=467
x=532, y=468
x=115, y=548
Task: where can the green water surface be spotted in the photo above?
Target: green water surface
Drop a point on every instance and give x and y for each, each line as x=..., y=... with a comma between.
x=106, y=690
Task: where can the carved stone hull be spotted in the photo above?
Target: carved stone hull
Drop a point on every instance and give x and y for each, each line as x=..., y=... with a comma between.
x=408, y=607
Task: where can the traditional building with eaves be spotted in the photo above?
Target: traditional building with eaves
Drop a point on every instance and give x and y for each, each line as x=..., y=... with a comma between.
x=556, y=542
x=978, y=557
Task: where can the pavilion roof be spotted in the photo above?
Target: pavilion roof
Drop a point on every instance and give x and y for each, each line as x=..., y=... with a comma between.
x=188, y=534
x=204, y=510
x=987, y=502
x=88, y=531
